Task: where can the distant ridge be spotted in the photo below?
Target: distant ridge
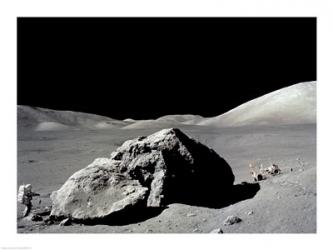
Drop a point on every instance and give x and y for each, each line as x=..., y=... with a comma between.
x=165, y=121
x=295, y=104
x=42, y=119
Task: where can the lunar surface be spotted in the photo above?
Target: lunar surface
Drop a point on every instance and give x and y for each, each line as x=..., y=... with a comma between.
x=278, y=128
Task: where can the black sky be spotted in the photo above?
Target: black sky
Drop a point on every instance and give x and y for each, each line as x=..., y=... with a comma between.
x=148, y=67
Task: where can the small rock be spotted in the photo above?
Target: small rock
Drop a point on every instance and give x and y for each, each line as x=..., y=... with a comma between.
x=65, y=222
x=216, y=231
x=149, y=231
x=204, y=220
x=232, y=219
x=291, y=169
x=196, y=230
x=36, y=217
x=48, y=221
x=190, y=215
x=250, y=213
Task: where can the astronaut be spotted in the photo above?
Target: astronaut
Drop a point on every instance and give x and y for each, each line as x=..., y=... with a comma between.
x=25, y=196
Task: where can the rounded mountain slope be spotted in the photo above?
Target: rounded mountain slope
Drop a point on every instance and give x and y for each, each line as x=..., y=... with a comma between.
x=295, y=104
x=42, y=119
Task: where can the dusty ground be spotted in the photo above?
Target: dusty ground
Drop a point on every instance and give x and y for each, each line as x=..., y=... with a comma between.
x=284, y=204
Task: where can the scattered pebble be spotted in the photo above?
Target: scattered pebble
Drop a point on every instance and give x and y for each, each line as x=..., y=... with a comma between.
x=204, y=220
x=48, y=221
x=149, y=231
x=196, y=230
x=65, y=222
x=216, y=231
x=36, y=217
x=190, y=215
x=250, y=213
x=232, y=219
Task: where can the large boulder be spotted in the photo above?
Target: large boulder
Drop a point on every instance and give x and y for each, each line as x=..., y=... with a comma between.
x=151, y=171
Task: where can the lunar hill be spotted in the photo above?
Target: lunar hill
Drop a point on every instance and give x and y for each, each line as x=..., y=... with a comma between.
x=165, y=121
x=42, y=119
x=295, y=104
x=184, y=119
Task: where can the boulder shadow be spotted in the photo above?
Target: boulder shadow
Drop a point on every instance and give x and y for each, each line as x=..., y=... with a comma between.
x=223, y=198
x=209, y=183
x=124, y=217
x=229, y=196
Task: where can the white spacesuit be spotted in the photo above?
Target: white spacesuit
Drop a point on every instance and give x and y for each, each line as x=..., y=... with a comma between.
x=24, y=196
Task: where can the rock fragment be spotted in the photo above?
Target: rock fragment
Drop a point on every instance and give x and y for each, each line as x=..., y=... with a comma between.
x=36, y=217
x=232, y=219
x=65, y=222
x=216, y=231
x=49, y=221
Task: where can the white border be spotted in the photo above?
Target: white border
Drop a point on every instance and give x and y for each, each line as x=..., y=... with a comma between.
x=11, y=9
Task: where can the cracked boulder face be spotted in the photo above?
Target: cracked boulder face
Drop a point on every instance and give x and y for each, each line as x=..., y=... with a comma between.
x=151, y=171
